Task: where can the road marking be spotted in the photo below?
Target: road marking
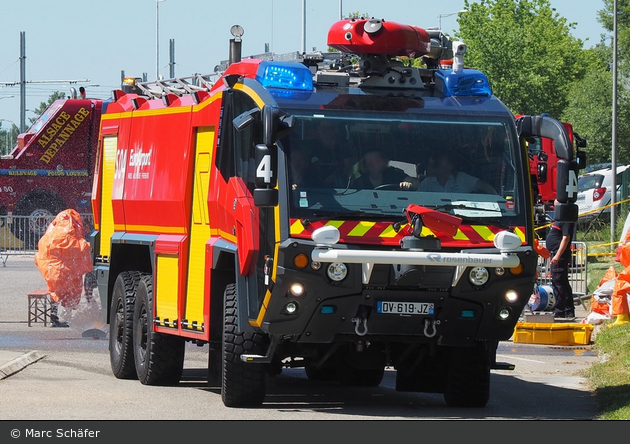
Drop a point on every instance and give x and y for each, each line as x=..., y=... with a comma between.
x=521, y=359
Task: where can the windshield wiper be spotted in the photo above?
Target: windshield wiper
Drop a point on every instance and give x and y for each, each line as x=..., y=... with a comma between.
x=317, y=216
x=463, y=207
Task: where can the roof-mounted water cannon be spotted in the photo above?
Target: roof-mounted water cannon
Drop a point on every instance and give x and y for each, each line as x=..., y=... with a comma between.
x=377, y=43
x=441, y=49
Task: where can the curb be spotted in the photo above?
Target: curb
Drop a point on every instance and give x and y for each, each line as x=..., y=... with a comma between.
x=14, y=366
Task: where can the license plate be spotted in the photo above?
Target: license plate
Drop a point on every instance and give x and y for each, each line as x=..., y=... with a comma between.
x=405, y=308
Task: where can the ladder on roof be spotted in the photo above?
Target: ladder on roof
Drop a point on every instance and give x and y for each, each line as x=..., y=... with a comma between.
x=178, y=86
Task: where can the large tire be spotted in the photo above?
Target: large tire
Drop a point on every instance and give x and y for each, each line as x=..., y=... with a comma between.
x=242, y=384
x=323, y=374
x=360, y=377
x=159, y=358
x=468, y=378
x=121, y=325
x=40, y=208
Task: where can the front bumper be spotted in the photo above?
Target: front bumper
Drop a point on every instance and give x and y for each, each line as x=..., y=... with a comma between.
x=329, y=311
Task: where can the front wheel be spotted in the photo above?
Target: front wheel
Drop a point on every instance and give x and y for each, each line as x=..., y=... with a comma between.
x=121, y=325
x=159, y=357
x=243, y=384
x=468, y=377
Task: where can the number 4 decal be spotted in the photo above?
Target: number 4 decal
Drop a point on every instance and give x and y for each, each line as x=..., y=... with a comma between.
x=264, y=171
x=572, y=186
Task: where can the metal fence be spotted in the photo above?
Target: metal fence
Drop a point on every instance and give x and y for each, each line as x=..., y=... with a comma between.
x=19, y=235
x=578, y=276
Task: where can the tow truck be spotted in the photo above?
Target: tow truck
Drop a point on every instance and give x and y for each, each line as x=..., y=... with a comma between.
x=205, y=231
x=51, y=167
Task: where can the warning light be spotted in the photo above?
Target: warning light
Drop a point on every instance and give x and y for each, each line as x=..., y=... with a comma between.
x=286, y=75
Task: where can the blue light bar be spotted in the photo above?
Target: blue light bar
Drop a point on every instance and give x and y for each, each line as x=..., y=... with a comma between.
x=285, y=75
x=468, y=82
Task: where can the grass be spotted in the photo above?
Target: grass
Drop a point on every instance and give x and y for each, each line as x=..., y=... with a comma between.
x=609, y=379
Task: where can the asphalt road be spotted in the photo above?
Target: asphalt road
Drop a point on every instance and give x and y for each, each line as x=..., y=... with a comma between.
x=73, y=380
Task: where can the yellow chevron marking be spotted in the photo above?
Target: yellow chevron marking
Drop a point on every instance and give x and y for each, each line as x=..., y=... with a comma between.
x=426, y=232
x=297, y=227
x=519, y=233
x=361, y=229
x=460, y=236
x=335, y=223
x=389, y=232
x=484, y=232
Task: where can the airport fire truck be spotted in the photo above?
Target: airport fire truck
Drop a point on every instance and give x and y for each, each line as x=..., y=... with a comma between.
x=278, y=216
x=543, y=168
x=51, y=168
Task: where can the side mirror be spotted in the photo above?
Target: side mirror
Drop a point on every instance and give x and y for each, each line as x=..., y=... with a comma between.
x=580, y=142
x=245, y=119
x=581, y=159
x=542, y=172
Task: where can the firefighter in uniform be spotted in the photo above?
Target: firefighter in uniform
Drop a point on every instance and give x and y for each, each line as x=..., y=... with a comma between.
x=558, y=242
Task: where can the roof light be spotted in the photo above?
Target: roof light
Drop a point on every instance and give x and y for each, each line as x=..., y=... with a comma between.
x=288, y=75
x=468, y=82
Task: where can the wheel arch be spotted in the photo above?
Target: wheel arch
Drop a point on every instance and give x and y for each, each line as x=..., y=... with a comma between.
x=128, y=255
x=34, y=195
x=223, y=273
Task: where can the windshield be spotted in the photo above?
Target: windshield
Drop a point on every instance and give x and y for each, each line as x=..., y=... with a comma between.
x=45, y=117
x=590, y=181
x=361, y=165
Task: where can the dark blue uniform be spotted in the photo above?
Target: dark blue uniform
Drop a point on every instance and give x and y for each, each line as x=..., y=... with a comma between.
x=562, y=290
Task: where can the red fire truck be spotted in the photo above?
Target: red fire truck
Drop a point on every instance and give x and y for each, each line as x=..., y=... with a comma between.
x=229, y=213
x=51, y=168
x=543, y=168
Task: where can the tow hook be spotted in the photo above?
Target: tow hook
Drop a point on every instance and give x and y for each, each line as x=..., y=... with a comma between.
x=360, y=320
x=360, y=326
x=430, y=324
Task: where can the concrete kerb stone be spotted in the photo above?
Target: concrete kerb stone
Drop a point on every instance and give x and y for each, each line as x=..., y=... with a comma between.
x=19, y=363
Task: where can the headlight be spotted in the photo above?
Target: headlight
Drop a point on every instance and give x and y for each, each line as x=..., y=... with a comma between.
x=504, y=314
x=478, y=276
x=297, y=289
x=511, y=296
x=337, y=271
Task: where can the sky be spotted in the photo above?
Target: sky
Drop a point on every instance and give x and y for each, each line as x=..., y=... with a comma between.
x=95, y=41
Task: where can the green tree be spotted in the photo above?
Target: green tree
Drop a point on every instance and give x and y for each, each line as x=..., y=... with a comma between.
x=357, y=15
x=44, y=105
x=605, y=16
x=8, y=137
x=527, y=51
x=590, y=99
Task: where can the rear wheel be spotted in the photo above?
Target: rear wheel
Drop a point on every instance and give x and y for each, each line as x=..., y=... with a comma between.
x=121, y=325
x=159, y=358
x=243, y=384
x=40, y=209
x=468, y=378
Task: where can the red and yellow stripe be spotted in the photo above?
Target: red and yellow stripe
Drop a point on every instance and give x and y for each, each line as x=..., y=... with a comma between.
x=383, y=233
